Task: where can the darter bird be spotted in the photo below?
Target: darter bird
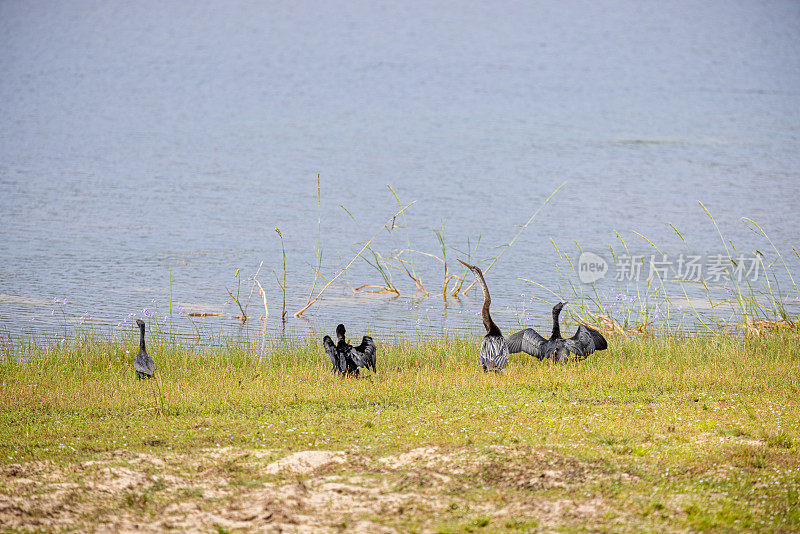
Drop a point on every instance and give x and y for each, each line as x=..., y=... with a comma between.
x=494, y=351
x=585, y=341
x=347, y=359
x=143, y=364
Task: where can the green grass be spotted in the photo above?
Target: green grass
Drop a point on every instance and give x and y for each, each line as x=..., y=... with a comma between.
x=696, y=433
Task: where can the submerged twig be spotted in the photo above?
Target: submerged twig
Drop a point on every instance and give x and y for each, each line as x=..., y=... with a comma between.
x=370, y=288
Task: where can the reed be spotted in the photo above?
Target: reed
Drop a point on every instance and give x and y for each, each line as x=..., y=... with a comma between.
x=235, y=298
x=638, y=306
x=313, y=300
x=283, y=285
x=506, y=246
x=407, y=265
x=379, y=263
x=318, y=246
x=669, y=306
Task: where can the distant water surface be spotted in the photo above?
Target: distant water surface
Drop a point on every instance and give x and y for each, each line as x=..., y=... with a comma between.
x=153, y=140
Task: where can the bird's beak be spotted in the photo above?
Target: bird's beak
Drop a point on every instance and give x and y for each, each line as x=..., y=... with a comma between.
x=467, y=265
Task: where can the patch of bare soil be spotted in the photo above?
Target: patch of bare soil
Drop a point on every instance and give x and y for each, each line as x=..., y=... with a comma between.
x=304, y=491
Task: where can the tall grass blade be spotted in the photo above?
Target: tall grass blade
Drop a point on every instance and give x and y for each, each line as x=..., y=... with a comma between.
x=522, y=229
x=300, y=312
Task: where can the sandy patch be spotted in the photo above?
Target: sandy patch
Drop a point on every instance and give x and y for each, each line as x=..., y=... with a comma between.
x=304, y=491
x=304, y=462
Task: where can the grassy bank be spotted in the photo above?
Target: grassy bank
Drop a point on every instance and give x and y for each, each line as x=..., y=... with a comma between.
x=657, y=433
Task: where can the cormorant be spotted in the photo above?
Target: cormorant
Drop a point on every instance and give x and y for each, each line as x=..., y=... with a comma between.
x=346, y=359
x=585, y=341
x=143, y=363
x=494, y=351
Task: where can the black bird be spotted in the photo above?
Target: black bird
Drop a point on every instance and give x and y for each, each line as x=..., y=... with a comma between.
x=346, y=359
x=494, y=351
x=585, y=341
x=143, y=363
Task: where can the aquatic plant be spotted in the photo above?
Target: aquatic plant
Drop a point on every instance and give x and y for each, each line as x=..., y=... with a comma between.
x=313, y=300
x=282, y=285
x=639, y=306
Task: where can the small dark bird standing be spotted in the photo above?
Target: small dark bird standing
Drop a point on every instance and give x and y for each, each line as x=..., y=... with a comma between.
x=585, y=341
x=494, y=352
x=143, y=363
x=347, y=359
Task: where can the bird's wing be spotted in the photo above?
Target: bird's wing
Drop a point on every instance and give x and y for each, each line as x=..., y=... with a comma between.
x=529, y=341
x=494, y=353
x=585, y=341
x=364, y=354
x=143, y=363
x=368, y=353
x=600, y=342
x=330, y=350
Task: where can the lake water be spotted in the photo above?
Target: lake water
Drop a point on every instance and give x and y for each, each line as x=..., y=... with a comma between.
x=153, y=140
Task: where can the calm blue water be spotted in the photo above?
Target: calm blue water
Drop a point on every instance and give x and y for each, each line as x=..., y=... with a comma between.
x=139, y=140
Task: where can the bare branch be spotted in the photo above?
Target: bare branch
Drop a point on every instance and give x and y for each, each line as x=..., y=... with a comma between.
x=263, y=297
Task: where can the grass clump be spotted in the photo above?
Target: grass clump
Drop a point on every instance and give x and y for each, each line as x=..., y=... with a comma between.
x=778, y=439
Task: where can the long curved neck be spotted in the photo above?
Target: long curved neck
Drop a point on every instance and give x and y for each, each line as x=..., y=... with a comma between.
x=141, y=338
x=491, y=328
x=556, y=330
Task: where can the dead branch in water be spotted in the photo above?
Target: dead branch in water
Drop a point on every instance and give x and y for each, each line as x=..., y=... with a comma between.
x=261, y=291
x=369, y=288
x=417, y=281
x=263, y=298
